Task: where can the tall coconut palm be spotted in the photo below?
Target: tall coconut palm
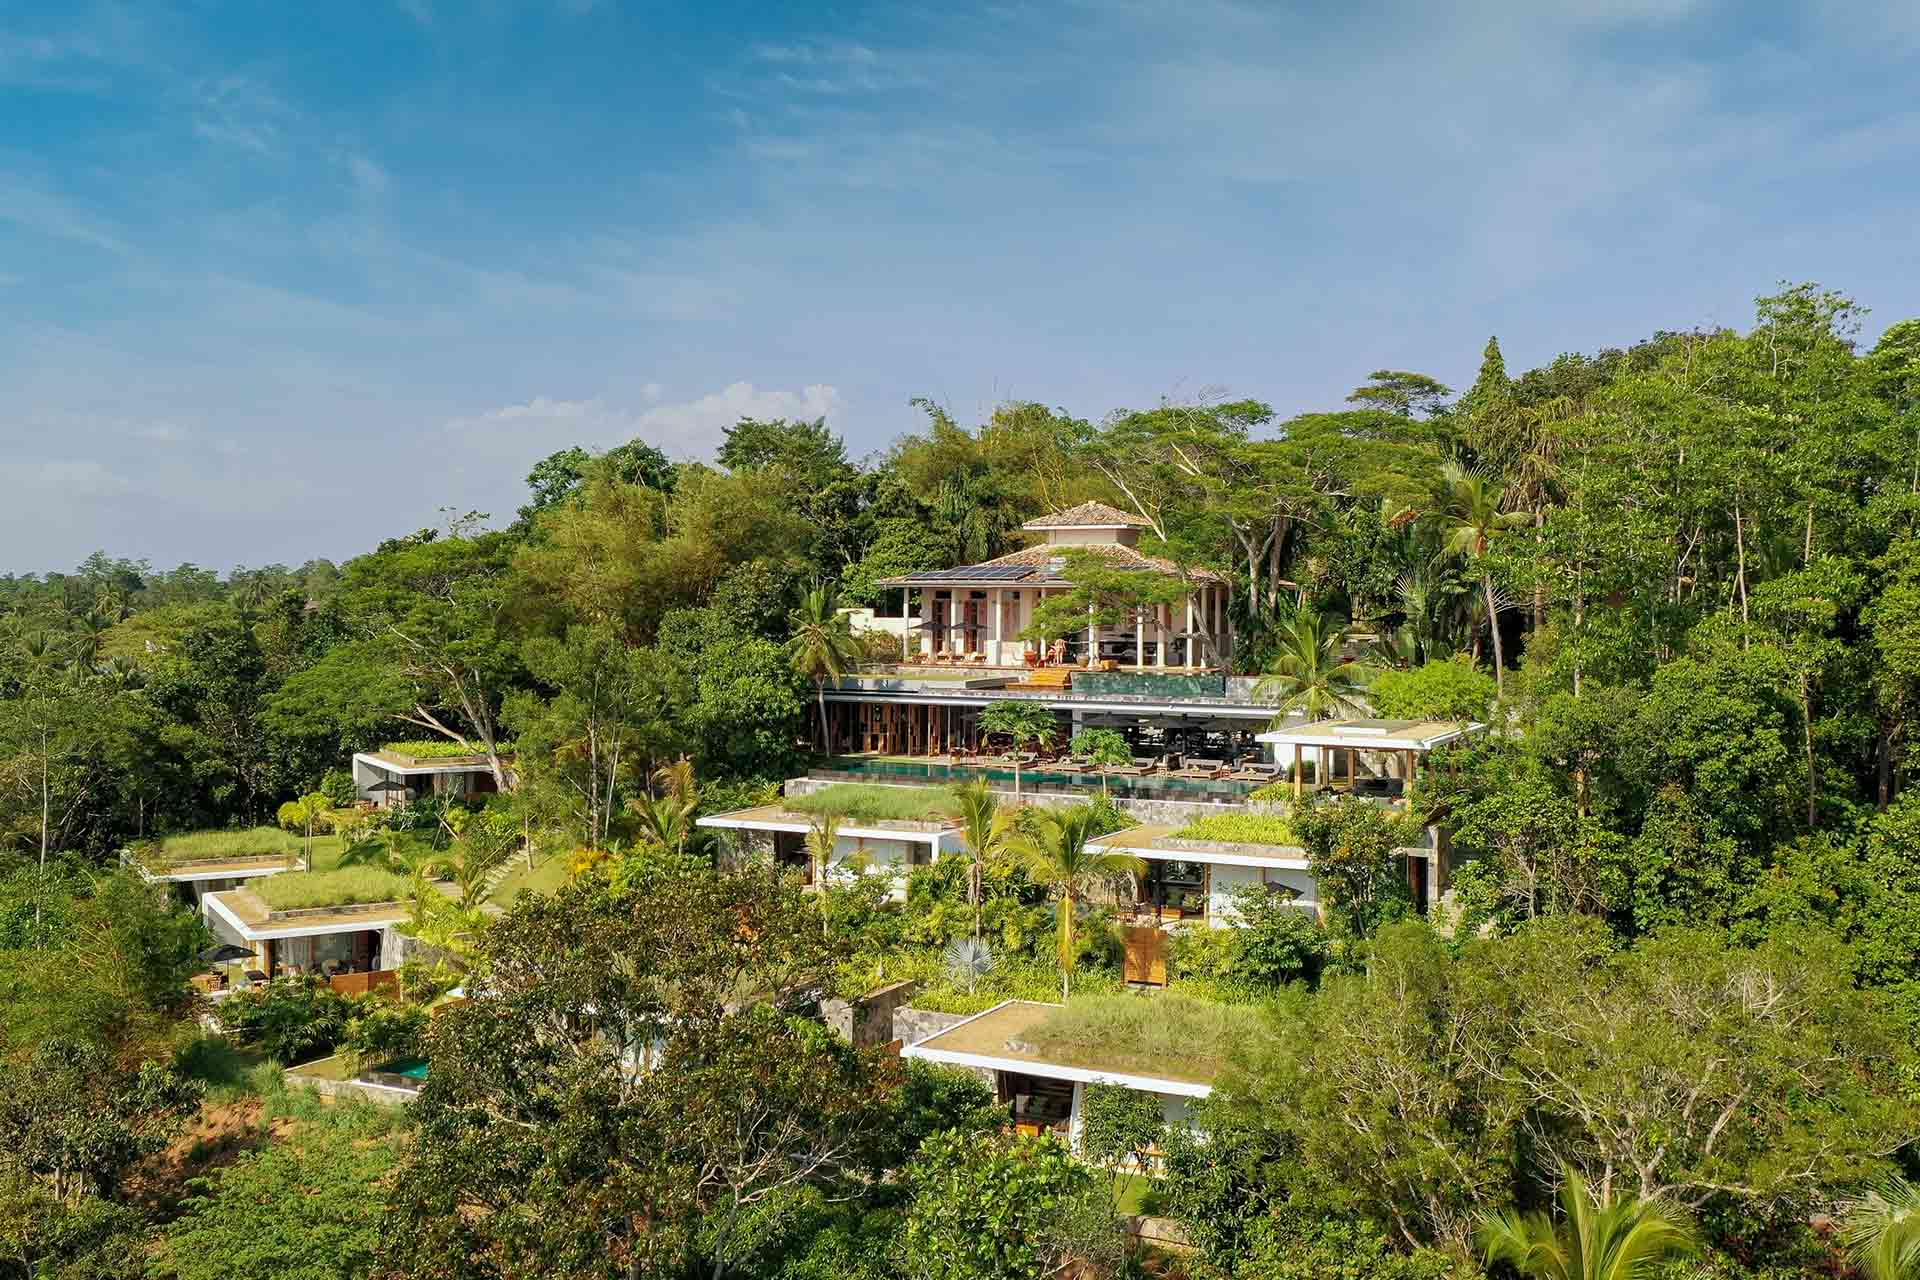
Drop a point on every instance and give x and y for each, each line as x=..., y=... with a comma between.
x=1059, y=859
x=1474, y=520
x=1601, y=1237
x=1309, y=674
x=988, y=830
x=822, y=646
x=1882, y=1231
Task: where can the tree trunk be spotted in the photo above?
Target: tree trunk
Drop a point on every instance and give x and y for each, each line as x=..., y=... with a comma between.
x=1493, y=625
x=820, y=691
x=1740, y=550
x=1813, y=777
x=1066, y=947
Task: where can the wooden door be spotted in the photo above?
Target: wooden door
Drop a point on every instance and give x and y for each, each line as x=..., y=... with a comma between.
x=1146, y=959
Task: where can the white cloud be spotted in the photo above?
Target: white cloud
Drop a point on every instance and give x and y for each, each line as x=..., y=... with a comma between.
x=50, y=214
x=700, y=422
x=161, y=433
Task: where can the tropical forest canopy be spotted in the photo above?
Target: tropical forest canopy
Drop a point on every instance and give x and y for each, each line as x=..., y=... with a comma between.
x=1679, y=580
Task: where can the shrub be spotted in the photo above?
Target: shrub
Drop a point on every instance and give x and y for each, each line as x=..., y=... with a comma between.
x=1276, y=942
x=337, y=786
x=383, y=1032
x=1202, y=951
x=291, y=1019
x=295, y=890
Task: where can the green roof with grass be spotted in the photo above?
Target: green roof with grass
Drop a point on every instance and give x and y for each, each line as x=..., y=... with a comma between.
x=867, y=802
x=1170, y=1036
x=348, y=886
x=1239, y=828
x=202, y=846
x=439, y=749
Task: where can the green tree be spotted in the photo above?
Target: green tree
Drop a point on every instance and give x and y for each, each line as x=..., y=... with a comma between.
x=1023, y=722
x=311, y=811
x=308, y=1207
x=984, y=1207
x=1120, y=1129
x=73, y=1118
x=1602, y=1237
x=1060, y=859
x=1101, y=747
x=822, y=647
x=1450, y=689
x=1357, y=851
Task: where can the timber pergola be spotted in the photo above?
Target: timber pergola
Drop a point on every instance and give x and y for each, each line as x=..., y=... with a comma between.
x=1406, y=740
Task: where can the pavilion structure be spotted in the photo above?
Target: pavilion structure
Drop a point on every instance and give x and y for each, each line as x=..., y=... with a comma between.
x=975, y=613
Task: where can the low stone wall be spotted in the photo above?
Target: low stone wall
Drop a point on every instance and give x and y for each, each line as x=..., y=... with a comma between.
x=868, y=1020
x=911, y=1026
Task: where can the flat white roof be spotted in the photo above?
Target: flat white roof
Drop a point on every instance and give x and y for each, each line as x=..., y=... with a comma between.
x=774, y=818
x=390, y=765
x=346, y=920
x=1151, y=842
x=1373, y=735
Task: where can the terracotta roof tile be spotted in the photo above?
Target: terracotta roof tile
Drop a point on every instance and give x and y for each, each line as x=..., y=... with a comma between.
x=1088, y=515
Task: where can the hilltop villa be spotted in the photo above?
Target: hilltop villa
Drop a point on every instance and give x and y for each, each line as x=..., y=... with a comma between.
x=975, y=613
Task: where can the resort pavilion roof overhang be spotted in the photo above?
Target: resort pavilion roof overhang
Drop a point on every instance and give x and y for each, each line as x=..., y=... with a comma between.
x=1373, y=735
x=773, y=817
x=1155, y=842
x=250, y=918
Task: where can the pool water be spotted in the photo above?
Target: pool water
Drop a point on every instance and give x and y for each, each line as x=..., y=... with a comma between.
x=412, y=1068
x=1215, y=790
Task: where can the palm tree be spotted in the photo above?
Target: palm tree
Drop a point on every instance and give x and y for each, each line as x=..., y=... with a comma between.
x=1602, y=1238
x=1882, y=1231
x=669, y=820
x=1474, y=521
x=1309, y=673
x=989, y=833
x=823, y=833
x=1060, y=860
x=822, y=646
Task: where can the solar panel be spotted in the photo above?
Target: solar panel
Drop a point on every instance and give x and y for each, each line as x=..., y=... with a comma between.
x=972, y=573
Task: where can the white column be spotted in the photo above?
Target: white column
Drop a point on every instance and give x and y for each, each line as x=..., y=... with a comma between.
x=1189, y=630
x=1140, y=637
x=1093, y=638
x=906, y=624
x=1160, y=634
x=999, y=594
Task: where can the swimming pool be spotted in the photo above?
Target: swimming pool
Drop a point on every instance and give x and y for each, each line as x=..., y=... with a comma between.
x=1155, y=787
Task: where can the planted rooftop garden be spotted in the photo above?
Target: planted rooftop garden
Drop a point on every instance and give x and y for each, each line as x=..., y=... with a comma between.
x=196, y=846
x=440, y=749
x=1240, y=828
x=862, y=802
x=347, y=886
x=1168, y=1035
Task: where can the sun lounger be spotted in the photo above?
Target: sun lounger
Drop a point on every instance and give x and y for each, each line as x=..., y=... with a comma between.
x=1254, y=772
x=1203, y=768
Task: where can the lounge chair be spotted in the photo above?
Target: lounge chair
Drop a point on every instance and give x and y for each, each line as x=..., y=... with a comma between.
x=1200, y=767
x=1254, y=771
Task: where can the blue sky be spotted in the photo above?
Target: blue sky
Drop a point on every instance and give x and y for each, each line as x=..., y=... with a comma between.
x=277, y=281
